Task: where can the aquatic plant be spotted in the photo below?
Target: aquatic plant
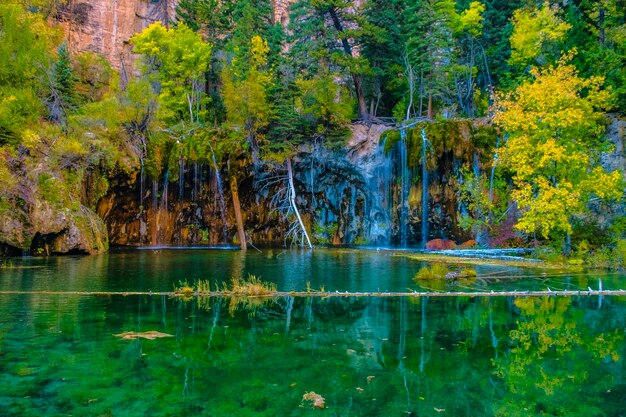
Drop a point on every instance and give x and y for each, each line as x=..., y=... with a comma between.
x=184, y=290
x=252, y=287
x=436, y=271
x=317, y=401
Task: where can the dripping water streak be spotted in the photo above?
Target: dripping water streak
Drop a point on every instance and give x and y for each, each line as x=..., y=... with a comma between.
x=404, y=191
x=181, y=180
x=493, y=170
x=155, y=209
x=165, y=190
x=220, y=193
x=194, y=194
x=424, y=189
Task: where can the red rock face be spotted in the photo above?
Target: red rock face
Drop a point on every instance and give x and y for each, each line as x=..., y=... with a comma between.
x=106, y=26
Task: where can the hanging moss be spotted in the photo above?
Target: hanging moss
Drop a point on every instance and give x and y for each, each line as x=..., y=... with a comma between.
x=484, y=137
x=389, y=139
x=461, y=137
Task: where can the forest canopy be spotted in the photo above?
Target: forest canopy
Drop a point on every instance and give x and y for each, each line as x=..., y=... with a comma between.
x=225, y=83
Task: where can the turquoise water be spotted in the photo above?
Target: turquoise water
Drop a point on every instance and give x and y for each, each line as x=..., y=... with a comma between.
x=457, y=356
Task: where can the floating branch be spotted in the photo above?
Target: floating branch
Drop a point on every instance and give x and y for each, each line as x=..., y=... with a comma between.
x=324, y=294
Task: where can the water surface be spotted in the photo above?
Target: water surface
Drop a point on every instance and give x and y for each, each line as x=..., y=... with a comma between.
x=462, y=356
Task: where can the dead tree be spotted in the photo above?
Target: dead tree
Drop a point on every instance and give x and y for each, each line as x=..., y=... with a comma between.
x=283, y=201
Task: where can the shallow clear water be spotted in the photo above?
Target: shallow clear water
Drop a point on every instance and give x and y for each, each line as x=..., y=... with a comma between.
x=366, y=356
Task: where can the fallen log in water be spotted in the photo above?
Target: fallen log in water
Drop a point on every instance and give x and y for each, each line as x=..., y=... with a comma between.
x=327, y=294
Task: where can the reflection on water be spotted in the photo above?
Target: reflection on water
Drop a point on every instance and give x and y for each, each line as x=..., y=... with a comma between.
x=334, y=270
x=365, y=356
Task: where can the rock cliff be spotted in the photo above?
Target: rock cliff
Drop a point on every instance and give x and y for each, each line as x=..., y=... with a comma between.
x=105, y=26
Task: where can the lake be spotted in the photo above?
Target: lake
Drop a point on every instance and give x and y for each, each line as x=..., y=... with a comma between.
x=369, y=356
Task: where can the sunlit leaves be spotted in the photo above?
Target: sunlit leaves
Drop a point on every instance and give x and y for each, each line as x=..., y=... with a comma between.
x=536, y=32
x=555, y=125
x=176, y=60
x=245, y=93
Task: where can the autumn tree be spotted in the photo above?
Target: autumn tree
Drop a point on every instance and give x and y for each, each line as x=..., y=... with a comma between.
x=25, y=44
x=175, y=60
x=555, y=125
x=537, y=35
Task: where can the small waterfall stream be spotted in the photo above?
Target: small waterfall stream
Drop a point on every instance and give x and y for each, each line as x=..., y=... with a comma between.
x=220, y=193
x=142, y=221
x=425, y=144
x=405, y=185
x=165, y=190
x=155, y=212
x=493, y=169
x=181, y=180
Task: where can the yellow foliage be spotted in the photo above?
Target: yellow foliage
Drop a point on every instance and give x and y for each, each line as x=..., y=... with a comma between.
x=555, y=125
x=31, y=140
x=533, y=31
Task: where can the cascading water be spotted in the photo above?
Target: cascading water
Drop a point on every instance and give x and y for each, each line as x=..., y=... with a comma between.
x=155, y=210
x=220, y=193
x=403, y=215
x=476, y=166
x=142, y=222
x=194, y=191
x=165, y=190
x=181, y=180
x=425, y=144
x=219, y=185
x=493, y=169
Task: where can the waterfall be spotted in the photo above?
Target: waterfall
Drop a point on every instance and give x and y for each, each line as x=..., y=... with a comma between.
x=220, y=192
x=181, y=180
x=493, y=170
x=387, y=194
x=141, y=181
x=155, y=209
x=424, y=189
x=403, y=220
x=194, y=191
x=142, y=222
x=165, y=188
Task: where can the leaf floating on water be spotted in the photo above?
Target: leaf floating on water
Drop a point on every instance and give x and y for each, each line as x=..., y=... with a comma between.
x=150, y=335
x=318, y=400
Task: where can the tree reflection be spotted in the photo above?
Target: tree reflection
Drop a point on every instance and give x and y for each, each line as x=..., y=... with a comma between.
x=547, y=369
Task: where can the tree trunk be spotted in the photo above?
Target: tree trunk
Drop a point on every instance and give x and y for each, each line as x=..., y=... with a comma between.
x=292, y=199
x=430, y=106
x=234, y=190
x=602, y=34
x=356, y=79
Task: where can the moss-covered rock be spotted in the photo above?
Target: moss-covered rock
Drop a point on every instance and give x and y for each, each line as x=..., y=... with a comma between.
x=44, y=229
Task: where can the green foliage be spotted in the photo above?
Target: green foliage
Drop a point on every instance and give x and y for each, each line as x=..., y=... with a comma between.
x=537, y=35
x=325, y=105
x=25, y=43
x=474, y=192
x=608, y=257
x=175, y=60
x=94, y=76
x=63, y=78
x=435, y=272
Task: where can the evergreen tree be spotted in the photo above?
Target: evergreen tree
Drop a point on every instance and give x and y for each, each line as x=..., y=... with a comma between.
x=64, y=78
x=385, y=53
x=329, y=33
